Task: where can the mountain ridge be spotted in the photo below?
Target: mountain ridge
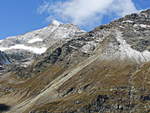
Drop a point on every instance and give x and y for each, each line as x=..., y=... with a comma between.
x=104, y=70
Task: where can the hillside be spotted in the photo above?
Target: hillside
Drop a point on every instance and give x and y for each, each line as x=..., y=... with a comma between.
x=106, y=70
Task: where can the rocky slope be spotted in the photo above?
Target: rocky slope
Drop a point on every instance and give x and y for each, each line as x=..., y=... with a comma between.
x=103, y=71
x=4, y=59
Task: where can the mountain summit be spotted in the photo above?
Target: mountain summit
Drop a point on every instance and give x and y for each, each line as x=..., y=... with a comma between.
x=29, y=45
x=62, y=69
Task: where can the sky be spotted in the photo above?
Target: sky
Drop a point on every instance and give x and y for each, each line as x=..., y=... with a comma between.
x=20, y=16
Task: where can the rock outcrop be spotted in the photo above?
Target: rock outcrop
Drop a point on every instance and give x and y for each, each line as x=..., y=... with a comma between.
x=4, y=59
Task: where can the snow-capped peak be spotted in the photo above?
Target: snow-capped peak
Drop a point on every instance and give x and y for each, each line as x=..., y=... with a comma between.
x=38, y=41
x=56, y=23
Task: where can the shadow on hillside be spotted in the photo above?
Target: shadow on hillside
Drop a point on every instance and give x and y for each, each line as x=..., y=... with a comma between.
x=4, y=107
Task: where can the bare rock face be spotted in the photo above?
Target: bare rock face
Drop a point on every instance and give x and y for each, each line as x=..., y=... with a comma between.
x=4, y=58
x=104, y=70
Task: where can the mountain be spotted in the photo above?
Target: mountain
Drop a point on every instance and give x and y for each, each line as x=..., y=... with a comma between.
x=35, y=43
x=105, y=70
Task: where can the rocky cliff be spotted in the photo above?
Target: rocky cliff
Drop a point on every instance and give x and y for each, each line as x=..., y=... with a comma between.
x=4, y=59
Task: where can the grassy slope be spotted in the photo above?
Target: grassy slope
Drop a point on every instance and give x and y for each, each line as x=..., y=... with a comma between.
x=50, y=90
x=109, y=80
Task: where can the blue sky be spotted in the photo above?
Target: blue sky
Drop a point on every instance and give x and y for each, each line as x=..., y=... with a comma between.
x=21, y=16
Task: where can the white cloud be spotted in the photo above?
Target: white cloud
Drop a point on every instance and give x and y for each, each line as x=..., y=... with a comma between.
x=43, y=7
x=85, y=12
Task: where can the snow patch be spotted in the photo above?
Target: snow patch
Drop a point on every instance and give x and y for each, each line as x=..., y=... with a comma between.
x=56, y=23
x=142, y=25
x=122, y=50
x=1, y=41
x=127, y=52
x=35, y=40
x=89, y=47
x=27, y=48
x=127, y=21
